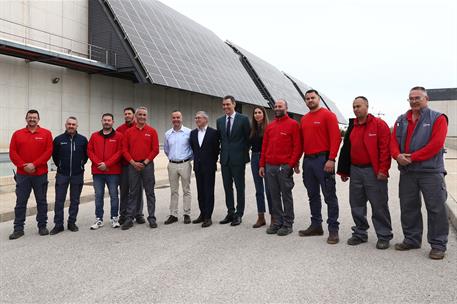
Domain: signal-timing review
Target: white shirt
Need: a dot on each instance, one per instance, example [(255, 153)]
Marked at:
[(231, 120), (176, 144), (201, 135)]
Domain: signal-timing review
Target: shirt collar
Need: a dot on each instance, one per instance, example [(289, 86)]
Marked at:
[(202, 129), (232, 116)]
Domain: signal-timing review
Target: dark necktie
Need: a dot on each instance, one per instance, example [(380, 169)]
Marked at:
[(228, 126)]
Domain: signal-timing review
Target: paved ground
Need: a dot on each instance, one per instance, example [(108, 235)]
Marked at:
[(185, 263)]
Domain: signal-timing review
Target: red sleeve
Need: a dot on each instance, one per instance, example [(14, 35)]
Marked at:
[(264, 147), (14, 156), (384, 148), (394, 147), (155, 146), (46, 155), (125, 147), (297, 148), (436, 142), (91, 151), (334, 135), (116, 157)]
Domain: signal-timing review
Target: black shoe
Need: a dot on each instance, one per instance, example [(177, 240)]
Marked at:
[(171, 219), (152, 225), (186, 219), (236, 221), (382, 244), (227, 219), (273, 229), (198, 220), (283, 231), (16, 234), (43, 231), (207, 223), (405, 247), (121, 220), (56, 229), (353, 241), (127, 225), (72, 227), (311, 231), (140, 220)]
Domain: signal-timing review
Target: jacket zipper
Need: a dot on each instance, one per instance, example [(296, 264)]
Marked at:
[(71, 154)]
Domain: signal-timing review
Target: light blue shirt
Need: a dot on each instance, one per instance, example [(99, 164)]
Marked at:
[(176, 144)]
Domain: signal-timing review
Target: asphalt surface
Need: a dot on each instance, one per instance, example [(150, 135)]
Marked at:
[(185, 263)]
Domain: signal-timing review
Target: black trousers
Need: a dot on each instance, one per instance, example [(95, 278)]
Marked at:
[(205, 188)]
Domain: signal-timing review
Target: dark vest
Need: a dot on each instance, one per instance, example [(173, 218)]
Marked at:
[(420, 137)]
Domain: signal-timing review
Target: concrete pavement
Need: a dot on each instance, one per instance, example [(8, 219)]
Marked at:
[(185, 263)]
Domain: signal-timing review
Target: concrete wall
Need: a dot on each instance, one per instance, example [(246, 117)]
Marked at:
[(448, 107), (64, 18)]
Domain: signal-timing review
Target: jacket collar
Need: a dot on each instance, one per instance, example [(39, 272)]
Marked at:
[(107, 135)]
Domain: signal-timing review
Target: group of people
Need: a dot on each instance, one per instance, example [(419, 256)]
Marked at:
[(124, 159)]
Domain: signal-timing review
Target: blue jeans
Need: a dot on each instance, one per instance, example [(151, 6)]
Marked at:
[(24, 186), (314, 178), (260, 190), (112, 181), (76, 185)]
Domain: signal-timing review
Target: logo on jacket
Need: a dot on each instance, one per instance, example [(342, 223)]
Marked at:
[(63, 143), (426, 125), (39, 138), (112, 140), (372, 134), (316, 122), (147, 134)]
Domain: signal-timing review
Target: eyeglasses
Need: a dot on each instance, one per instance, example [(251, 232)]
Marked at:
[(412, 99)]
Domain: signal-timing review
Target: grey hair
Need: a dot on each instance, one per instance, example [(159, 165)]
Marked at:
[(202, 113), (72, 117), (141, 108), (285, 102)]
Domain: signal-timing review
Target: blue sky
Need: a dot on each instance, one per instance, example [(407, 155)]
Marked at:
[(379, 49)]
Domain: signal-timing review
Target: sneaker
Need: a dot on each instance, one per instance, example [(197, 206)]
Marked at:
[(283, 231), (311, 231), (127, 224), (405, 246), (152, 224), (140, 219), (115, 222), (272, 229), (43, 231), (97, 224), (171, 219), (354, 241), (16, 234)]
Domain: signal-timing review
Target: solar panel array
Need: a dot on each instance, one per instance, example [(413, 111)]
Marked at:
[(303, 87), (176, 51), (275, 82)]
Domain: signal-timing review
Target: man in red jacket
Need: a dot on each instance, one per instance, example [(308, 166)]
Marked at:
[(104, 150), (141, 146), (321, 140), (30, 150), (365, 158), (281, 151), (129, 117)]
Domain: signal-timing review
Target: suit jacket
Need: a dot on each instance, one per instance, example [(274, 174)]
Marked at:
[(205, 157), (234, 149)]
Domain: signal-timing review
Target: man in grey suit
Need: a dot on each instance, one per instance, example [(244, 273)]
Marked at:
[(234, 131)]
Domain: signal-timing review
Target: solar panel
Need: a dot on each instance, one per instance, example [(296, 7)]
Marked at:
[(275, 81), (303, 87), (177, 52)]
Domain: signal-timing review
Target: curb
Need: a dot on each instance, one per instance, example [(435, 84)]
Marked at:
[(9, 215), (451, 205)]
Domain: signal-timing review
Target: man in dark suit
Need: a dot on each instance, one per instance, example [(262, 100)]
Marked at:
[(204, 142), (234, 131)]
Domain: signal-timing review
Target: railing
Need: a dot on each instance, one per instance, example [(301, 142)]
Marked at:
[(29, 36)]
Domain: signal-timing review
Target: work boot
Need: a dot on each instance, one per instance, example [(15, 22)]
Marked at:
[(353, 241), (333, 238), (436, 254), (260, 221), (16, 234), (312, 230), (405, 247)]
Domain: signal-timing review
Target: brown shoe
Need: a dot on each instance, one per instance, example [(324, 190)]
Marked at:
[(311, 231), (260, 221), (436, 254), (333, 238)]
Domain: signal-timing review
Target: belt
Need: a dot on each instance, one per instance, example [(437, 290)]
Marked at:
[(179, 161), (363, 166), (316, 155)]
